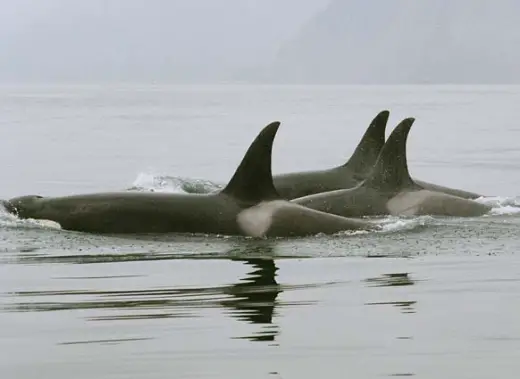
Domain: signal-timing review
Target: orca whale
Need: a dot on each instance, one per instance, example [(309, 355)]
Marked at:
[(390, 190), (354, 171), (249, 205), (299, 184), (348, 175)]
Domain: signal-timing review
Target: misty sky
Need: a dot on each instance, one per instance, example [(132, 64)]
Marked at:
[(175, 37), (407, 41), (279, 40)]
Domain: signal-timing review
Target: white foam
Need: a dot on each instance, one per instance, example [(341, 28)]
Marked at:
[(505, 210), (8, 220), (349, 233), (397, 224), (172, 184), (154, 183), (501, 205)]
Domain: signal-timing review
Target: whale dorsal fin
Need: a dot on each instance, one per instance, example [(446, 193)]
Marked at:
[(391, 169), (367, 151), (253, 180)]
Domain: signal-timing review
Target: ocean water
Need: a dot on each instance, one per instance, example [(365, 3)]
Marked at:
[(427, 297)]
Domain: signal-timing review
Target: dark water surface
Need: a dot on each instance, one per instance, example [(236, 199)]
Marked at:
[(427, 297)]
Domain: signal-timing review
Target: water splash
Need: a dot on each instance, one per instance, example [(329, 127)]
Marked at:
[(501, 205), (146, 182), (8, 220), (398, 224)]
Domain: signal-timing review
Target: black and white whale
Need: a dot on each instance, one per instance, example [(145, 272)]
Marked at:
[(299, 184), (354, 171), (390, 190), (249, 205)]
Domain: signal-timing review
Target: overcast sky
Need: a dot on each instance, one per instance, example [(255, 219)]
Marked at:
[(68, 36), (284, 40)]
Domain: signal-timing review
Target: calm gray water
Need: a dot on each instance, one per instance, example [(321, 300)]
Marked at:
[(427, 297)]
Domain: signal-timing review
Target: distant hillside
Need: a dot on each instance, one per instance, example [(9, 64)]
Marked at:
[(406, 41)]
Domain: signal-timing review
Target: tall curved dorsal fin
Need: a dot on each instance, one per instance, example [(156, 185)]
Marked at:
[(253, 179), (368, 149), (391, 169)]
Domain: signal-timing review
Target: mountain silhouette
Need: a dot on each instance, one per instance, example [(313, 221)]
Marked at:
[(406, 41)]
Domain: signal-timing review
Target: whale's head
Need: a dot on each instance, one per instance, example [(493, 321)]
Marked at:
[(23, 206)]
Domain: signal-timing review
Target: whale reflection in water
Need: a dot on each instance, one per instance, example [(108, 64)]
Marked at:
[(255, 297)]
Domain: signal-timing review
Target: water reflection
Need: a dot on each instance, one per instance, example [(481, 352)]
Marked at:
[(252, 299), (404, 306), (390, 280), (394, 280), (255, 297)]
